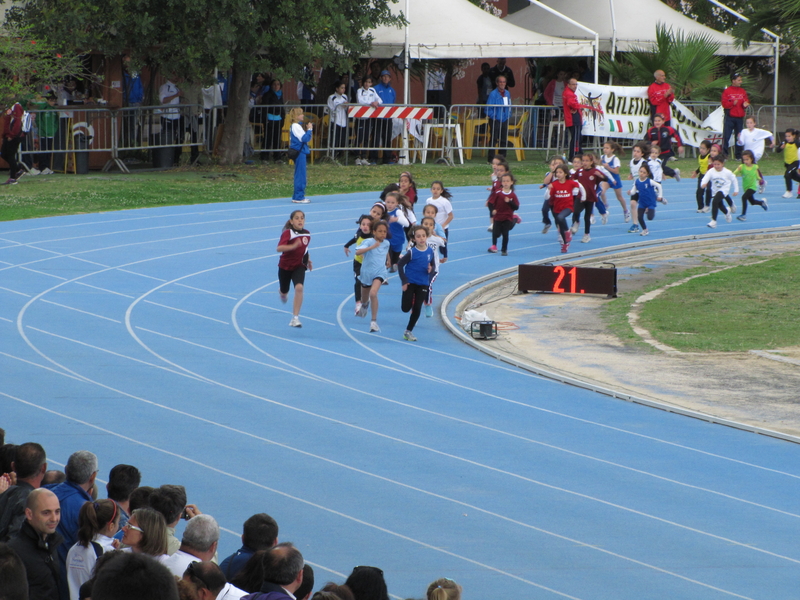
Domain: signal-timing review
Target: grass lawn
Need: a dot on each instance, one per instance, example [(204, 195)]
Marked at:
[(51, 195), (752, 307)]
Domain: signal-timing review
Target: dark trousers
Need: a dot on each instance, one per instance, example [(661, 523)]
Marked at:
[(718, 203), (9, 154), (732, 125), (414, 297), (546, 209), (587, 208), (749, 198), (45, 146), (641, 212), (172, 133), (790, 174), (561, 222), (703, 196), (501, 229), (498, 136), (574, 132), (364, 139)]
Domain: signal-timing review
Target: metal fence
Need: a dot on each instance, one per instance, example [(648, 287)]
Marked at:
[(778, 118)]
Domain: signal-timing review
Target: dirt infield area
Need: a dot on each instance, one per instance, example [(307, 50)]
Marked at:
[(566, 334)]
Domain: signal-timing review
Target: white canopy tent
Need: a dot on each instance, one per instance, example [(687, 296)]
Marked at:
[(624, 24)]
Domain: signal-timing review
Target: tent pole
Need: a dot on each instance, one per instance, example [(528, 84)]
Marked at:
[(777, 40), (406, 87), (613, 37), (583, 27)]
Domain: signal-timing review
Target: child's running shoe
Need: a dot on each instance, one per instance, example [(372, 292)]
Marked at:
[(627, 216), (741, 218), (546, 227), (358, 308), (634, 228), (373, 327), (409, 336), (764, 206), (604, 219), (645, 232)]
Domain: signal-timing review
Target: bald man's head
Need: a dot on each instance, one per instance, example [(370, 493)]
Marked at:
[(43, 511)]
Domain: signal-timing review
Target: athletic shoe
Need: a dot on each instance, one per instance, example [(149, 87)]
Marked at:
[(358, 162), (373, 327), (604, 219), (490, 228), (700, 210), (645, 232), (493, 249), (764, 206), (358, 308), (729, 217), (46, 171), (504, 253), (712, 223), (574, 228), (627, 216), (517, 219), (409, 336), (284, 297), (34, 171), (634, 228), (569, 237), (592, 220), (362, 312), (303, 201), (706, 209), (393, 269), (787, 194), (429, 310), (741, 218), (546, 228), (586, 238), (733, 208), (762, 185), (295, 322), (677, 176), (564, 248), (21, 174), (10, 181)]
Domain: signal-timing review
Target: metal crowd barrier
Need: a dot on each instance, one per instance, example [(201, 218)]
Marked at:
[(778, 118)]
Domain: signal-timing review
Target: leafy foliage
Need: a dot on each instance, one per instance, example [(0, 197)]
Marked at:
[(690, 62)]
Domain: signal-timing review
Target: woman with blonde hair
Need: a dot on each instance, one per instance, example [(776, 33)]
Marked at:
[(298, 152), (444, 589), (146, 532)]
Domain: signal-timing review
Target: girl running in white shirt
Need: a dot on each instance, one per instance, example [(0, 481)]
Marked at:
[(721, 181)]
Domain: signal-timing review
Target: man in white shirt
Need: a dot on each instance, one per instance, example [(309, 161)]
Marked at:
[(209, 583), (199, 542), (173, 125)]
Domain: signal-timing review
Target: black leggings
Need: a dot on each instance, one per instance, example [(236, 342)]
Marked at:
[(749, 196), (668, 171), (641, 212), (357, 286), (703, 196), (587, 208), (9, 154), (414, 297), (546, 209), (717, 204), (501, 228), (791, 174), (561, 222)]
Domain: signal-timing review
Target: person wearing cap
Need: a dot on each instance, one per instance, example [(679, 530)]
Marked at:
[(383, 128), (734, 103), (661, 97)]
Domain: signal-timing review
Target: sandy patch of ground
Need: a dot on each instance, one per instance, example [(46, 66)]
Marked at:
[(564, 333)]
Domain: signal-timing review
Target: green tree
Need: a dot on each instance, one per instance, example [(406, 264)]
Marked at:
[(690, 62), (190, 38), (29, 64)]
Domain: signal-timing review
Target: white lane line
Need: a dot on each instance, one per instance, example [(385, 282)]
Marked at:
[(5, 289), (187, 312), (288, 496), (99, 289), (7, 320), (82, 311)]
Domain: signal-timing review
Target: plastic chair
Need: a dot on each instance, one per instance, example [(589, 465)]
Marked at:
[(516, 133)]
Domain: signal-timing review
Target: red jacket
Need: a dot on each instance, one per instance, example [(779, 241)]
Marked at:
[(504, 211), (572, 108), (730, 94), (13, 123), (562, 195), (661, 96)]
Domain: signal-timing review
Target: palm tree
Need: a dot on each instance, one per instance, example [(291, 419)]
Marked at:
[(690, 62)]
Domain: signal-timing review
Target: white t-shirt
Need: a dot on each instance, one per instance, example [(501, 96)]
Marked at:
[(754, 141), (80, 563), (166, 90), (443, 208), (721, 181)]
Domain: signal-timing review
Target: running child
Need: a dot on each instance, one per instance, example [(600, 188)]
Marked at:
[(378, 212), (702, 196), (294, 260), (602, 207), (440, 198), (589, 177), (414, 269), (655, 165), (648, 191), (408, 187), (499, 168), (430, 210), (754, 139), (503, 205), (373, 270), (436, 242), (662, 136), (397, 225), (751, 178), (364, 232), (611, 162), (790, 160), (546, 206), (562, 193), (721, 181), (716, 150)]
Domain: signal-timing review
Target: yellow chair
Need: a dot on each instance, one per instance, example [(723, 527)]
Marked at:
[(515, 133), (256, 134)]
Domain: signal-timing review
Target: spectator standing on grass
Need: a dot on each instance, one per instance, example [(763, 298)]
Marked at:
[(734, 103), (383, 129), (299, 137), (30, 465), (12, 138), (37, 543), (259, 532), (172, 122), (573, 119), (661, 97), (199, 542), (498, 110)]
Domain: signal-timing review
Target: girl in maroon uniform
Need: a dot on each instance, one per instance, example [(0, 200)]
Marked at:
[(589, 177), (562, 193), (294, 261)]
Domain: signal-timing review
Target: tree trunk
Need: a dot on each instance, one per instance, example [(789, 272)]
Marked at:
[(232, 142)]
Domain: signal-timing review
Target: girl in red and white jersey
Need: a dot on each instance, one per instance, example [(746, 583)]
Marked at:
[(294, 261), (562, 193)]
